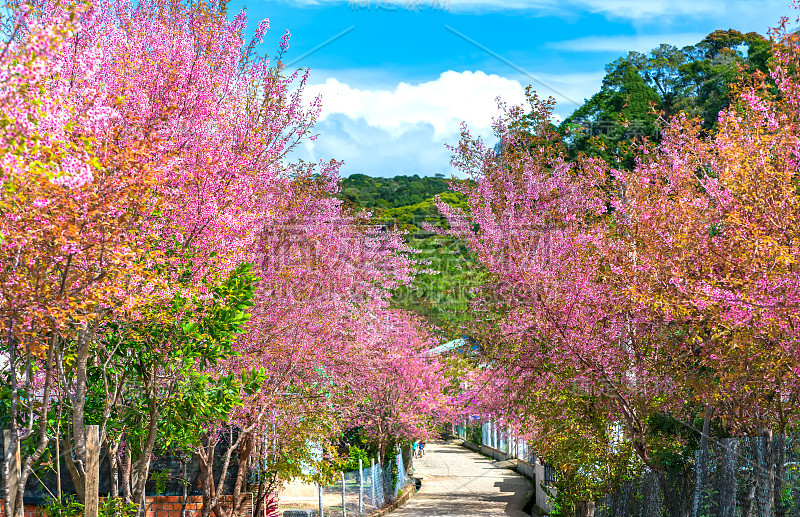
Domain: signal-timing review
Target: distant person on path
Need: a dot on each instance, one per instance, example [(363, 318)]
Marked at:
[(415, 448), (422, 448)]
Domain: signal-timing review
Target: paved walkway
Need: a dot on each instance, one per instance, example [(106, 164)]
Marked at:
[(460, 483)]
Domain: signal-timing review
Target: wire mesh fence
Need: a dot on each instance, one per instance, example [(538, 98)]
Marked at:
[(360, 492), (745, 477), (752, 476)]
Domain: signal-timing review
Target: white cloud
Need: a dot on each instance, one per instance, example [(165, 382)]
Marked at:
[(640, 10), (569, 90), (647, 9), (667, 9), (371, 150), (404, 129), (444, 103), (623, 44)]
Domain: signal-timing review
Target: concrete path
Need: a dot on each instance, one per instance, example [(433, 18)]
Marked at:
[(460, 483)]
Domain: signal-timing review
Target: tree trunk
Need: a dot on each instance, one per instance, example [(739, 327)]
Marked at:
[(381, 449), (212, 490), (58, 445), (702, 465), (766, 474), (185, 484), (126, 474), (15, 478), (258, 504), (76, 462), (11, 468), (245, 450), (33, 457), (140, 468), (220, 484), (205, 460), (113, 463), (11, 448), (76, 473)]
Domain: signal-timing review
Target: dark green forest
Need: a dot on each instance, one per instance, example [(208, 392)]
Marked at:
[(384, 193), (641, 90), (638, 93)]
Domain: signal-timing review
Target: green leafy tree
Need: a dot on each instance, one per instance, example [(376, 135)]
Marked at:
[(638, 88), (155, 380), (610, 123)]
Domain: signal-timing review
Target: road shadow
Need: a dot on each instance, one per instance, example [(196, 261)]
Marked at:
[(518, 490)]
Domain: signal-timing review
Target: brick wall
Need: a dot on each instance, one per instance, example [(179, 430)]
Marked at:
[(30, 510), (170, 505)]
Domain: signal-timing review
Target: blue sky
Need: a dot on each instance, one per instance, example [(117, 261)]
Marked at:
[(397, 77)]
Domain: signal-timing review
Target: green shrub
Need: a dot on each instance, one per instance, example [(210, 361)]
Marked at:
[(72, 507), (160, 481), (354, 455), (110, 507)]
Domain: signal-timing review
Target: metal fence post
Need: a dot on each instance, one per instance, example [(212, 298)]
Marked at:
[(321, 506), (344, 498), (376, 473), (360, 486), (372, 483), (401, 471)]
